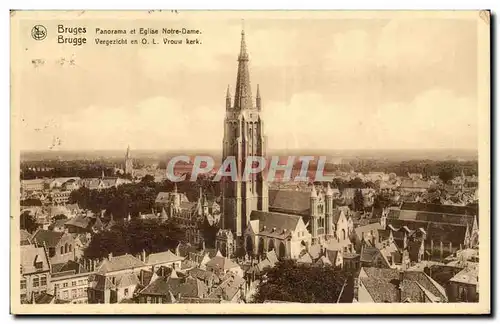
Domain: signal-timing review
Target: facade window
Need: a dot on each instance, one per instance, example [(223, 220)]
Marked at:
[(62, 249), (36, 282), (65, 285), (65, 294), (73, 283), (43, 281), (70, 248), (125, 292), (80, 282), (23, 283), (73, 293), (80, 291)]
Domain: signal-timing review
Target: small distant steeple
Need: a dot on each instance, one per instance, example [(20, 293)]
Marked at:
[(127, 155)]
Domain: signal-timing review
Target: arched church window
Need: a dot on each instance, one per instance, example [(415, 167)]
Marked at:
[(343, 234)]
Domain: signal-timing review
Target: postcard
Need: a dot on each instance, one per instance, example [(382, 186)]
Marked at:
[(250, 162)]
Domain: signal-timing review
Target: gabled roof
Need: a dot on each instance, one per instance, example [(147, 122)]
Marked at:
[(73, 207), (25, 237), (175, 286), (288, 201), (468, 275), (229, 287), (44, 298), (127, 280), (33, 182), (332, 256), (118, 263), (381, 284), (50, 238), (441, 209), (324, 260), (416, 184), (80, 221), (275, 220), (220, 262), (59, 223), (204, 275), (100, 282), (365, 229), (305, 258), (32, 256), (162, 257), (66, 267)]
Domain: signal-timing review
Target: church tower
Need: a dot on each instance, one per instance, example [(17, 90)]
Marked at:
[(129, 166), (243, 137)]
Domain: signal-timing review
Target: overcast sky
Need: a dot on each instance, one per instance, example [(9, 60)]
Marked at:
[(365, 83)]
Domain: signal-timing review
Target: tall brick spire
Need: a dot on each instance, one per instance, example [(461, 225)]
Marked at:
[(243, 94)]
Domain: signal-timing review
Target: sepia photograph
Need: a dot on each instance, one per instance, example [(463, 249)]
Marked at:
[(276, 162)]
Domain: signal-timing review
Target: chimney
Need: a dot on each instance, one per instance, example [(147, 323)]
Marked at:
[(143, 255), (203, 245), (110, 256), (177, 249)]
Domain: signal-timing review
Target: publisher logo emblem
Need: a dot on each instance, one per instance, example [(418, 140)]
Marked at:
[(39, 32)]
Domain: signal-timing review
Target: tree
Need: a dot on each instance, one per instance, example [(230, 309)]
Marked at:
[(359, 201), (292, 282), (148, 179), (446, 175), (356, 183), (134, 237), (381, 201), (58, 217), (28, 222)]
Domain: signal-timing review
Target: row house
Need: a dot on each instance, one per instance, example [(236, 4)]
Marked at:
[(69, 282), (115, 279), (35, 272)]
